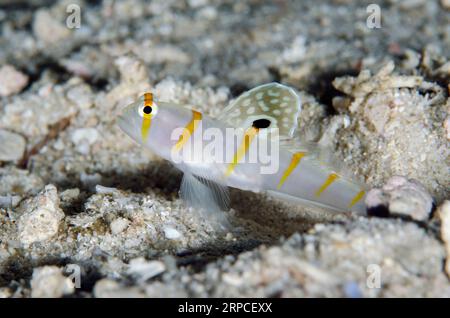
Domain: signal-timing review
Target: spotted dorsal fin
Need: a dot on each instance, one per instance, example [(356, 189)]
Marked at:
[(272, 105)]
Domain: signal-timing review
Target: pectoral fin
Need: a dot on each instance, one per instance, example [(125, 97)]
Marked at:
[(211, 199)]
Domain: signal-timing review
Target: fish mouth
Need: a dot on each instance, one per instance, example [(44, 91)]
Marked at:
[(121, 122), (125, 124), (128, 124)]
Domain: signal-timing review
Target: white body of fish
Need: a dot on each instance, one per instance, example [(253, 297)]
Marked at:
[(168, 129)]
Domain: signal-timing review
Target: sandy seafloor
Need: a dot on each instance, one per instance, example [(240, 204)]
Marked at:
[(77, 193)]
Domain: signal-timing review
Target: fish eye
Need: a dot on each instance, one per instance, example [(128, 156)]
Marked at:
[(147, 110)]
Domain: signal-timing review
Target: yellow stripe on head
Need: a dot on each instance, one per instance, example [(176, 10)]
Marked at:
[(356, 198), (296, 158), (148, 99), (242, 150), (188, 130), (331, 178), (146, 122), (146, 118)]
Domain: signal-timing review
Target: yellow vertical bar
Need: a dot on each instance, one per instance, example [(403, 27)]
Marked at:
[(296, 158), (331, 178), (242, 150), (188, 130)]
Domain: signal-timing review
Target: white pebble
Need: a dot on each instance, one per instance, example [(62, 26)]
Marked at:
[(81, 95), (447, 127), (144, 269), (5, 201), (443, 211), (107, 288), (12, 146), (197, 3), (119, 225), (104, 190), (171, 233), (40, 217), (48, 28), (85, 134), (131, 70), (9, 201), (70, 194), (83, 138), (402, 196), (49, 282), (11, 80), (446, 4)]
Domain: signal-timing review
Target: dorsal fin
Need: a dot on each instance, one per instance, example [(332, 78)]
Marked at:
[(273, 102)]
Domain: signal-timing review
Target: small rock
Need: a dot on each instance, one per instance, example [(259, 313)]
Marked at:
[(5, 292), (48, 29), (229, 237), (107, 288), (14, 181), (168, 53), (83, 138), (119, 225), (377, 113), (81, 95), (197, 3), (401, 196), (443, 211), (445, 4), (296, 52), (12, 146), (131, 69), (5, 201), (9, 201), (70, 194), (11, 80), (144, 270), (411, 4), (40, 216), (171, 233), (49, 282), (79, 68), (447, 128), (15, 200), (88, 134), (104, 190)]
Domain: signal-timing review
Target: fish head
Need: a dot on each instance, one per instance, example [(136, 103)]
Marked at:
[(152, 123)]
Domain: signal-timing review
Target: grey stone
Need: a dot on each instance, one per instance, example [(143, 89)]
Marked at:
[(12, 146), (40, 217)]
